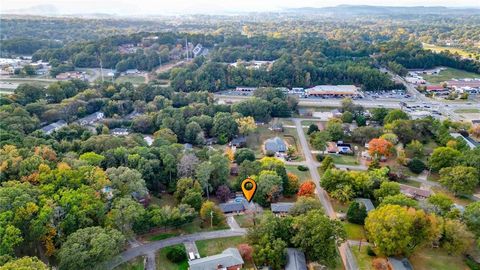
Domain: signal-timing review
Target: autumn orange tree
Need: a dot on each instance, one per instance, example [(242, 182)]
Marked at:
[(307, 189), (380, 147)]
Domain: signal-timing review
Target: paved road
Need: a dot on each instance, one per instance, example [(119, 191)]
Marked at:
[(347, 257), (153, 247)]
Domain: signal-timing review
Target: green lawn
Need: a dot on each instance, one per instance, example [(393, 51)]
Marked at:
[(134, 79), (448, 74), (344, 159), (302, 175), (354, 231), (165, 264), (215, 246), (436, 258), (135, 264), (364, 261)]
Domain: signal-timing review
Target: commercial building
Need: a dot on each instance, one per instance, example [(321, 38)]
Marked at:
[(333, 91)]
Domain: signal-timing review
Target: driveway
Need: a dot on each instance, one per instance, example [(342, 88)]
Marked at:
[(153, 247)]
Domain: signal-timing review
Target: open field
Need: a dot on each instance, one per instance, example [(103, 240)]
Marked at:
[(448, 74), (437, 48), (134, 79), (438, 259), (215, 246), (165, 264)]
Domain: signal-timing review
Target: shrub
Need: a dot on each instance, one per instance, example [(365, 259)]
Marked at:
[(370, 251), (270, 154), (176, 254), (319, 157), (416, 165), (302, 168)]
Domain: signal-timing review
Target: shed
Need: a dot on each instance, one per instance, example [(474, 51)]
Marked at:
[(367, 203), (295, 260)]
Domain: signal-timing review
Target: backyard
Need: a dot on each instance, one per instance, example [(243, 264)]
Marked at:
[(354, 231), (364, 261), (216, 246), (438, 259)]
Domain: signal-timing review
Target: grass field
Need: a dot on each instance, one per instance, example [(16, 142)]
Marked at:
[(215, 246), (364, 261), (134, 79), (135, 264), (354, 231), (302, 175), (436, 48), (448, 74), (165, 264), (437, 259), (344, 159)]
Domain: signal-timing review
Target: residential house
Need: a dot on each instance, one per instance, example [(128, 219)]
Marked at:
[(281, 208), (415, 193), (295, 260), (91, 119), (239, 142), (278, 127), (54, 127), (469, 141), (120, 131), (367, 203), (232, 207), (275, 145), (229, 259), (344, 148)]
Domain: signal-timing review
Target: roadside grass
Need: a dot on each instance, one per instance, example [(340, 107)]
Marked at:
[(134, 79), (216, 246), (162, 236), (354, 231), (302, 175), (472, 110), (165, 264), (436, 258), (364, 261), (448, 74), (135, 264)]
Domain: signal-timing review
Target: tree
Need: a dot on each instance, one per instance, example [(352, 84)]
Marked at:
[(191, 133), (243, 154), (211, 213), (393, 115), (246, 251), (472, 217), (387, 189), (443, 157), (126, 181), (166, 134), (203, 174), (293, 184), (124, 213), (89, 247), (10, 237), (220, 171), (246, 125), (414, 149), (192, 198), (25, 263), (399, 199), (187, 165), (396, 230), (304, 205), (307, 189), (223, 193), (441, 203), (92, 158), (456, 238), (391, 137), (183, 186), (416, 165), (312, 128), (364, 134), (319, 140), (380, 147), (224, 126), (459, 179), (176, 253), (327, 163), (335, 130), (378, 114), (356, 213), (318, 236), (269, 188), (347, 117), (229, 153), (475, 131)]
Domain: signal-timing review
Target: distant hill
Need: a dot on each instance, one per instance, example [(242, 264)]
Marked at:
[(385, 10)]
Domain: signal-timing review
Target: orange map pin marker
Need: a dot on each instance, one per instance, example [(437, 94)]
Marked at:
[(249, 187)]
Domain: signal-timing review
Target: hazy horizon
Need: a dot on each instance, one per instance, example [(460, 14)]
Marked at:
[(148, 7)]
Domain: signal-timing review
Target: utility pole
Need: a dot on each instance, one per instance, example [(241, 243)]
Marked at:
[(211, 218)]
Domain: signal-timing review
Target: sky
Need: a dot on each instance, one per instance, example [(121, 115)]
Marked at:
[(130, 7)]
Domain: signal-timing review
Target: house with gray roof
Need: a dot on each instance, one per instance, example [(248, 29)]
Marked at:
[(229, 259), (53, 127), (235, 206), (400, 264), (275, 145), (367, 203), (281, 208), (239, 142), (295, 260), (90, 119)]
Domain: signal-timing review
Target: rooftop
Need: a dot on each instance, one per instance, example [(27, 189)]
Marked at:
[(275, 145), (333, 90), (367, 202), (295, 260), (229, 257), (281, 207)]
